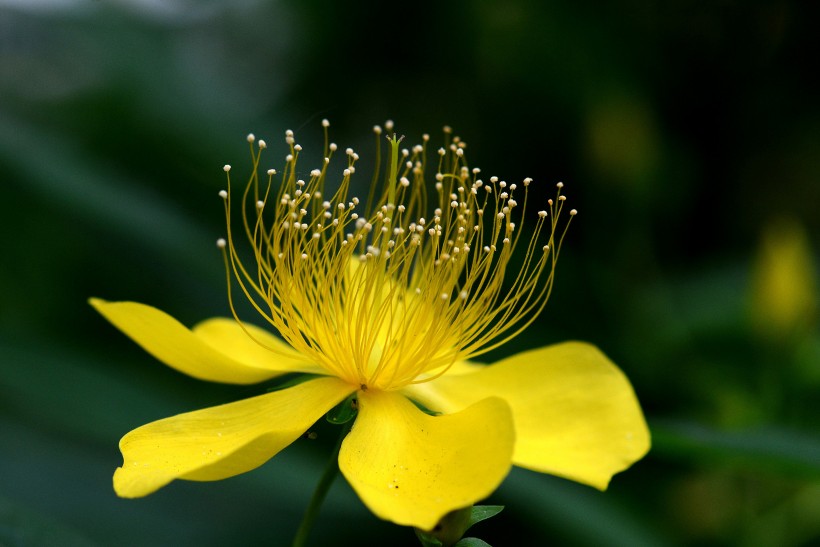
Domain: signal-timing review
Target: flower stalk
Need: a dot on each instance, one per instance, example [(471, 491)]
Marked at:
[(322, 488)]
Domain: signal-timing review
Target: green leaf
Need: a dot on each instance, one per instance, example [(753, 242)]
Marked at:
[(483, 512), (344, 411), (774, 449), (453, 525), (472, 542)]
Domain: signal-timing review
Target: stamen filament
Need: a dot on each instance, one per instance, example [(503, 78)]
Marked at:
[(392, 293)]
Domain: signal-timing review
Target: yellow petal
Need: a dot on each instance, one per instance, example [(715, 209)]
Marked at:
[(222, 441), (575, 412), (457, 368), (217, 350), (413, 469)]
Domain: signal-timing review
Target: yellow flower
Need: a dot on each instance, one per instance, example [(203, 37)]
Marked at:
[(381, 302)]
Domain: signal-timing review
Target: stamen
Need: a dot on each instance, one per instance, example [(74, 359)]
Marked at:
[(383, 296)]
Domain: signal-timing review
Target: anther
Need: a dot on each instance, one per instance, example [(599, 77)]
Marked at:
[(221, 243)]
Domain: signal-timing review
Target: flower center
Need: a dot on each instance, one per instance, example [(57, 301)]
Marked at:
[(383, 294)]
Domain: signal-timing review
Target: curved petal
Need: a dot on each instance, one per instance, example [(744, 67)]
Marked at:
[(412, 468), (575, 412), (456, 369), (215, 350), (222, 441), (252, 345)]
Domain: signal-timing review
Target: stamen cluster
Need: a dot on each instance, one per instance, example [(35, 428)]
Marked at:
[(395, 289)]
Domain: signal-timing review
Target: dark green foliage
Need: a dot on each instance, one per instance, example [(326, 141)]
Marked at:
[(681, 130)]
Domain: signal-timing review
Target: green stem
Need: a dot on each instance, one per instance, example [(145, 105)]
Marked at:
[(322, 488)]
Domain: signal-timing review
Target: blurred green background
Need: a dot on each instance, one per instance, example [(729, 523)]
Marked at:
[(687, 133)]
